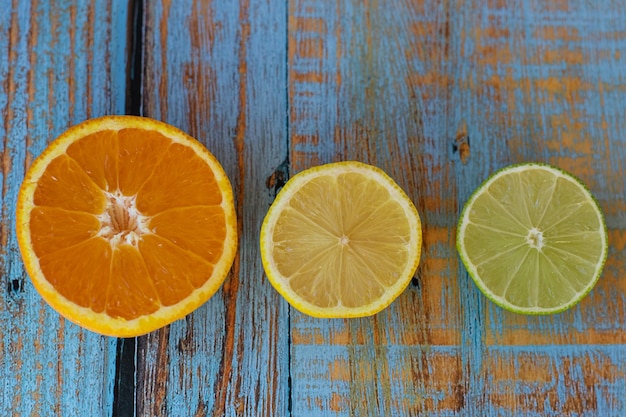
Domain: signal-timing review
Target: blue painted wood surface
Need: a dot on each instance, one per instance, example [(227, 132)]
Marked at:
[(437, 93), (218, 71), (59, 64)]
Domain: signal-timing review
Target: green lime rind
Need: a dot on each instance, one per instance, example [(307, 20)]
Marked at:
[(472, 270)]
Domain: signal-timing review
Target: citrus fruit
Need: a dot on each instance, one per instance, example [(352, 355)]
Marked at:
[(533, 238), (341, 240), (126, 224)]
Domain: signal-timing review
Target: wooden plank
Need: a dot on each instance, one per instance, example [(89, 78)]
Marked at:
[(369, 81), (555, 380), (61, 63), (540, 82), (440, 94), (218, 70), (557, 97)]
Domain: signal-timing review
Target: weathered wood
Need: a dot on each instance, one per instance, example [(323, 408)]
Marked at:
[(218, 71), (440, 94), (539, 81), (357, 91), (60, 63)]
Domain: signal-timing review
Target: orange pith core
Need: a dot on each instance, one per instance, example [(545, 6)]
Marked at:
[(121, 221), (129, 228)]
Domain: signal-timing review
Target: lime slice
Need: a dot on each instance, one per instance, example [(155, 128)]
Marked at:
[(533, 238)]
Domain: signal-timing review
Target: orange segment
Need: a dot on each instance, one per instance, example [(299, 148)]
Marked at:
[(97, 156), (79, 272), (176, 272), (199, 229), (64, 184), (190, 181), (126, 224), (131, 293), (139, 152), (50, 225)]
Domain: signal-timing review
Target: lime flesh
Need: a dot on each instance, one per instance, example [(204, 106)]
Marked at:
[(533, 238)]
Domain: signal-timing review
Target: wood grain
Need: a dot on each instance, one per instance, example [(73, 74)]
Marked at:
[(57, 68), (218, 71), (473, 87), (437, 93), (355, 93), (532, 80)]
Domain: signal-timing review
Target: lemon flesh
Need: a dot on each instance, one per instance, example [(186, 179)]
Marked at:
[(533, 238), (341, 240)]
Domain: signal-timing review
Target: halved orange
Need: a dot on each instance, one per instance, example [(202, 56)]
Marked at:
[(126, 224)]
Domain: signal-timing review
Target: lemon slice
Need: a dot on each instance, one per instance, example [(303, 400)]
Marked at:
[(533, 238), (341, 240)]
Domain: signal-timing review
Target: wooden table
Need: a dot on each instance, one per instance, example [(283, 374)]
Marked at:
[(437, 93)]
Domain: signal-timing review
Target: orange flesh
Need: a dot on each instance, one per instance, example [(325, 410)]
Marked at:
[(126, 222)]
